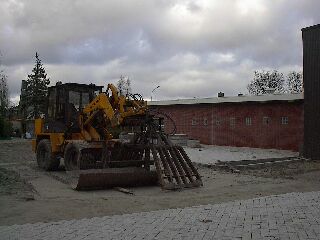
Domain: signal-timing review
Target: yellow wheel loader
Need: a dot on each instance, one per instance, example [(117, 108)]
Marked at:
[(79, 126)]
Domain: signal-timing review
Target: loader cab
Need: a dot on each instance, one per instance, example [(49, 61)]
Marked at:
[(64, 103)]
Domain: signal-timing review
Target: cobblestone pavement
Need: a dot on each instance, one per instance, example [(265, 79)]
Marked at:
[(287, 216)]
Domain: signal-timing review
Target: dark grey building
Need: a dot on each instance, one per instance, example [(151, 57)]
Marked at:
[(311, 78)]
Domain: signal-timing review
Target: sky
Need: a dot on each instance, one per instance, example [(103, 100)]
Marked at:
[(191, 49)]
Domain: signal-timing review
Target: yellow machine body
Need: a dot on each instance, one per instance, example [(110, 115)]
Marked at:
[(78, 127)]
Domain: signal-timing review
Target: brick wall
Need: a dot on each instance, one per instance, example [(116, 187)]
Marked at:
[(226, 124)]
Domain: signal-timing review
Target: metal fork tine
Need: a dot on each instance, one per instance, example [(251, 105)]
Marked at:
[(158, 166), (187, 159), (183, 164), (177, 165), (165, 164), (172, 166)]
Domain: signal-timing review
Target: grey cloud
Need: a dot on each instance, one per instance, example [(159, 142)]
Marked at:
[(190, 48)]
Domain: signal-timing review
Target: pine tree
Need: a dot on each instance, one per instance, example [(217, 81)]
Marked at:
[(37, 89)]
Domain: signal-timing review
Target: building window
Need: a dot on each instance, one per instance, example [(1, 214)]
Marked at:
[(205, 121), (284, 120), (266, 120), (248, 121), (232, 121), (193, 121)]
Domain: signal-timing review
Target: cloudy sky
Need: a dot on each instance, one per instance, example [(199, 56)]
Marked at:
[(188, 48)]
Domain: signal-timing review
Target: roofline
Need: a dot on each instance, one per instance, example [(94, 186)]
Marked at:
[(77, 84), (310, 27), (232, 99)]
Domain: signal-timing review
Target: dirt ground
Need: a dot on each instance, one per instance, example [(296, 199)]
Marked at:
[(28, 194)]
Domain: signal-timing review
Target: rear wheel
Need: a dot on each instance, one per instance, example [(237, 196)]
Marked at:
[(45, 158), (72, 155)]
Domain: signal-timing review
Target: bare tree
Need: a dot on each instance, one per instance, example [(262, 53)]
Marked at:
[(294, 82), (265, 80), (4, 92), (5, 125), (124, 85)]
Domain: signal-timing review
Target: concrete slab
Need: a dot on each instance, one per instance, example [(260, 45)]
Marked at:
[(210, 154)]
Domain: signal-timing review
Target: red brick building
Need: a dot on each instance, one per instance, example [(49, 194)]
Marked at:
[(266, 121)]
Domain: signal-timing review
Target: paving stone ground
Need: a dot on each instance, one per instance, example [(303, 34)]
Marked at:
[(287, 216)]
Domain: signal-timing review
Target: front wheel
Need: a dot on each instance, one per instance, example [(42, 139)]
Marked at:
[(45, 158), (72, 156)]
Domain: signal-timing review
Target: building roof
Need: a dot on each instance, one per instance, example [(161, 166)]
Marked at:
[(317, 26), (76, 85), (233, 99)]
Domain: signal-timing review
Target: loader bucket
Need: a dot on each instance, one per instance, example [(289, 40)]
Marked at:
[(93, 179), (150, 159)]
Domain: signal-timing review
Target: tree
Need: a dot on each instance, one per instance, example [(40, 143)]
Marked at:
[(23, 103), (266, 80), (124, 85), (5, 125), (37, 89), (4, 93), (294, 82)]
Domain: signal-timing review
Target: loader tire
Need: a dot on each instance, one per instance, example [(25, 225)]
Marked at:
[(72, 156), (45, 158)]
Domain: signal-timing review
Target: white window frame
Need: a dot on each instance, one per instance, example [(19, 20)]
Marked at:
[(266, 120), (248, 121), (284, 120)]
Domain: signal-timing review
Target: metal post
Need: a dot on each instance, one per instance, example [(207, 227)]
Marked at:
[(153, 91)]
